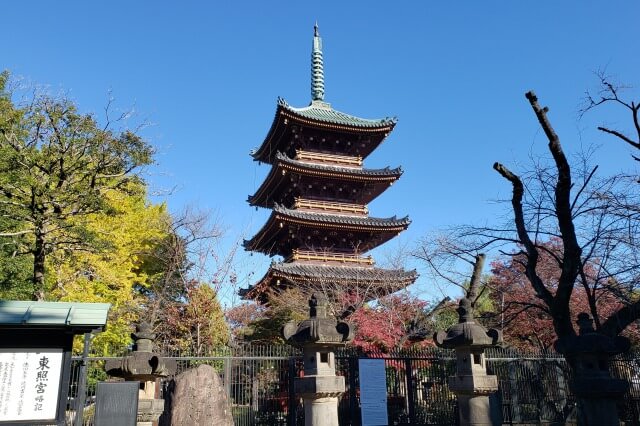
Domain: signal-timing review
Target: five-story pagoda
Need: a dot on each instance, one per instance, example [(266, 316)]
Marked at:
[(318, 191)]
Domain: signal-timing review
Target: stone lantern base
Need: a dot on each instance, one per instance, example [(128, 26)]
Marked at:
[(473, 384), (320, 411), (597, 400), (477, 410), (320, 398), (149, 411), (474, 401)]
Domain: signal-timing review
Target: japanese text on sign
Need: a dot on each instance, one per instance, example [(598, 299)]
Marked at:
[(29, 383)]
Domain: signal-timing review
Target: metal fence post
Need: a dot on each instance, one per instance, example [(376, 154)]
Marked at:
[(410, 390), (81, 394), (292, 392), (227, 377), (353, 397)]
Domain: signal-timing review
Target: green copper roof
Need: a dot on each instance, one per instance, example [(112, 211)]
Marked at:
[(317, 68), (322, 111), (54, 314)]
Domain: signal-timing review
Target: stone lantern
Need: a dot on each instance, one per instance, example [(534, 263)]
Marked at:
[(589, 354), (318, 337), (144, 366), (471, 383)]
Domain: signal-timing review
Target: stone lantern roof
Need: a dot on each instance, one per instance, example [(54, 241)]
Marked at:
[(319, 329), (142, 364), (589, 341), (467, 333)]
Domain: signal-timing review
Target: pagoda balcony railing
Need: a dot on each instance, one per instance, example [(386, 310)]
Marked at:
[(347, 258), (331, 206), (332, 159)]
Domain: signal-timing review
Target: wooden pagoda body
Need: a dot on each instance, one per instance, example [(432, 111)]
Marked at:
[(318, 191)]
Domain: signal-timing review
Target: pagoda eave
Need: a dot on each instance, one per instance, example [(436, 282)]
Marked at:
[(296, 118), (279, 179), (286, 117), (271, 239), (280, 276)]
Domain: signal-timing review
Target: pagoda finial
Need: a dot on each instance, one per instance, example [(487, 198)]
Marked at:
[(317, 68)]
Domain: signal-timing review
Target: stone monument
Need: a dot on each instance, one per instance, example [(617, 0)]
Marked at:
[(318, 336), (197, 397), (144, 366), (471, 383), (589, 354)]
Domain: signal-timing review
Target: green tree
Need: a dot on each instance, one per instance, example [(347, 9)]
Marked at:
[(15, 271), (57, 167), (197, 324), (132, 228), (290, 304)]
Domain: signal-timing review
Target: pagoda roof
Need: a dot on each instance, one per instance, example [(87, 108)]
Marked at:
[(343, 220), (350, 171), (276, 177), (287, 274), (267, 239), (321, 115)]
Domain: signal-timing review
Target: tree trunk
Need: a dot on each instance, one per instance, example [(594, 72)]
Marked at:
[(198, 339), (38, 265)]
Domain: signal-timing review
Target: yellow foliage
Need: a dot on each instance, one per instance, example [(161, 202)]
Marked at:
[(112, 273)]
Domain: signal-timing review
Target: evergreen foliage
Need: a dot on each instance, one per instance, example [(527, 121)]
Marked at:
[(76, 225)]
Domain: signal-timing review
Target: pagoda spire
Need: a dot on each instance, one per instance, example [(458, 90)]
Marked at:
[(317, 68)]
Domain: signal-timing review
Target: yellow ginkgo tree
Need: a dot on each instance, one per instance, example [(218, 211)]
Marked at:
[(115, 272)]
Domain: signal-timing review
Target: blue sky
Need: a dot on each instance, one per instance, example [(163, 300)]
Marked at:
[(207, 75)]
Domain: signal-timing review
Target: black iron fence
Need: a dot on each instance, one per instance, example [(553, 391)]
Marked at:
[(258, 381), (533, 387)]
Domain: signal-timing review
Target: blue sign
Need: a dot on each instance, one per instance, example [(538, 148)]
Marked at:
[(373, 392)]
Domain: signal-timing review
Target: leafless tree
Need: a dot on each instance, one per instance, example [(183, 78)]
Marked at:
[(191, 255), (595, 221), (445, 261), (610, 92)]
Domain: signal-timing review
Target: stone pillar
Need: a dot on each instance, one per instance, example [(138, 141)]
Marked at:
[(144, 366), (589, 354), (471, 383), (320, 387)]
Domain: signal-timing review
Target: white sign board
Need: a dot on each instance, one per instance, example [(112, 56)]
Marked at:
[(29, 383), (373, 392)]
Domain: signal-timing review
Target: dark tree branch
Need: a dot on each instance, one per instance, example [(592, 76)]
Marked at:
[(532, 252), (571, 249), (620, 136), (621, 319), (476, 276)]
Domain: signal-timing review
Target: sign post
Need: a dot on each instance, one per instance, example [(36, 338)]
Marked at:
[(36, 340)]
